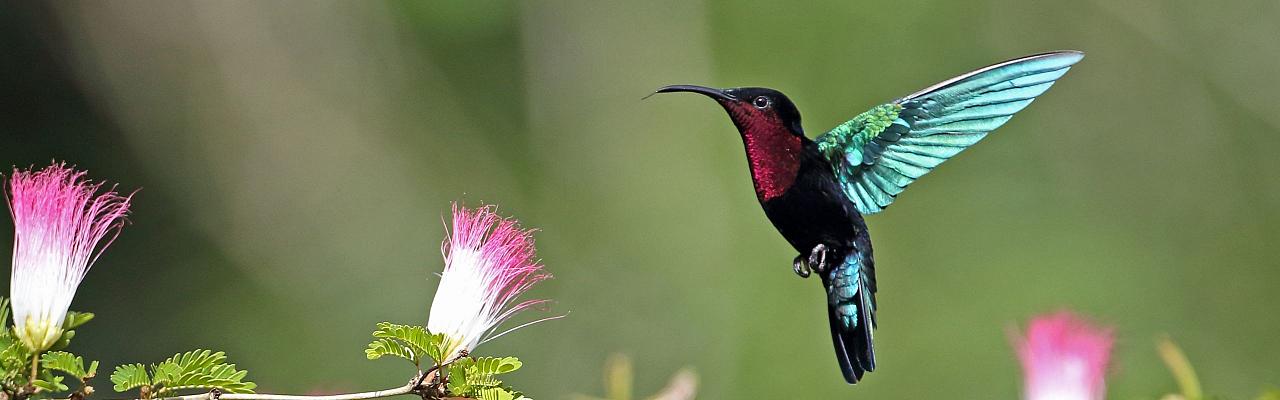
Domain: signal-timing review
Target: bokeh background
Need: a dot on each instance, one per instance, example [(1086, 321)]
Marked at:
[(296, 160)]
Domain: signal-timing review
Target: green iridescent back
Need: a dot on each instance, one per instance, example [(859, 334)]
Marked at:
[(857, 132), (878, 153)]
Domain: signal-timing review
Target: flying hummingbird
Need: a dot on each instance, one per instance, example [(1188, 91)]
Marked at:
[(815, 192)]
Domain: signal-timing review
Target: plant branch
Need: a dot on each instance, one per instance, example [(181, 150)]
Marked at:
[(406, 389), (438, 367), (416, 386), (411, 388)]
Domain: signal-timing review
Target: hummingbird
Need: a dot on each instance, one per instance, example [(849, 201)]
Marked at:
[(816, 192)]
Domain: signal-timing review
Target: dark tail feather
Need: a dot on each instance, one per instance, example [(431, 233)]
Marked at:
[(853, 346)]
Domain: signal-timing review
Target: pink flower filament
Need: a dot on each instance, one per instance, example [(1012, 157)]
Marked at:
[(489, 262), (1064, 358), (61, 227)]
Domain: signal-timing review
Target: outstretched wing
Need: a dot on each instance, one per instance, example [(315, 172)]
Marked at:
[(878, 153)]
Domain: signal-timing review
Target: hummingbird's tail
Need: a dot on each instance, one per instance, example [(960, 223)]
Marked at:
[(851, 311)]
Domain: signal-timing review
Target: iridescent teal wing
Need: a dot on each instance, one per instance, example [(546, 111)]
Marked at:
[(878, 153)]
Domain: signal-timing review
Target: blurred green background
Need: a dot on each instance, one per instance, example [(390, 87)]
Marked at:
[(296, 160)]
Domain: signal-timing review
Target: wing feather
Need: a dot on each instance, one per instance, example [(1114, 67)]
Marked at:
[(879, 153)]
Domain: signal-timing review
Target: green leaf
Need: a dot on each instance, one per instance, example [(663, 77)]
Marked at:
[(64, 340), (473, 377), (51, 385), (519, 395), (15, 359), (199, 369), (69, 363), (405, 341), (482, 371), (495, 393), (495, 366), (196, 369), (75, 319), (175, 367), (14, 350), (390, 347), (4, 311), (130, 376), (457, 384)]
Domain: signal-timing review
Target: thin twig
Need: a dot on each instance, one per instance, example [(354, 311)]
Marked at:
[(406, 389), (35, 366)]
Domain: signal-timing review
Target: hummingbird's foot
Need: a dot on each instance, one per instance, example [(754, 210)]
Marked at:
[(818, 258), (800, 267)]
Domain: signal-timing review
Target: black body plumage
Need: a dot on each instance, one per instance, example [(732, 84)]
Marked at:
[(815, 210)]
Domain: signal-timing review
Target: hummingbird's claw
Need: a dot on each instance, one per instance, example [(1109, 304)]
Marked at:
[(818, 258), (799, 266)]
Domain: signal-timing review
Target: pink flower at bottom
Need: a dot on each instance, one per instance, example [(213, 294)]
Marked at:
[(1064, 358), (489, 262), (61, 225)]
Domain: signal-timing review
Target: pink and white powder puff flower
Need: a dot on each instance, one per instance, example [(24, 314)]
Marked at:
[(1064, 358), (489, 262), (61, 226)]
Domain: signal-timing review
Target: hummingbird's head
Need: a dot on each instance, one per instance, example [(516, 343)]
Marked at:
[(753, 109), (770, 128)]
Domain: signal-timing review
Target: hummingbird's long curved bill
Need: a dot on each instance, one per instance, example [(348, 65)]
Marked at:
[(709, 92)]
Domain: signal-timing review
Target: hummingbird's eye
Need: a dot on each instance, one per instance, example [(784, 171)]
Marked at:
[(761, 102)]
